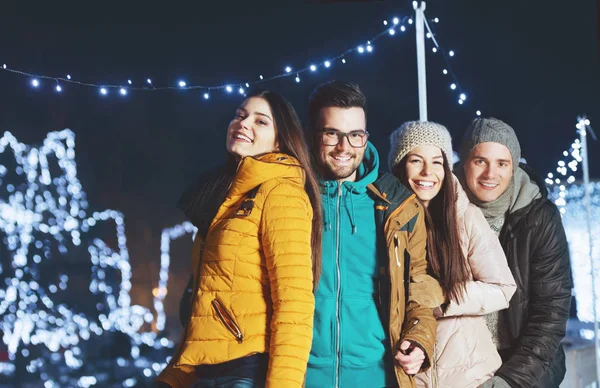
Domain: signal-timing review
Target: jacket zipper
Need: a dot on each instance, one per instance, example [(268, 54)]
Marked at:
[(396, 244), (228, 320), (339, 291)]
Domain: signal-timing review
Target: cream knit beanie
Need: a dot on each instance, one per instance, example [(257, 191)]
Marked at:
[(416, 133)]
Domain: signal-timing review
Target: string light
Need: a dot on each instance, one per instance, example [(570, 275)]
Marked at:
[(288, 70), (455, 85), (35, 83)]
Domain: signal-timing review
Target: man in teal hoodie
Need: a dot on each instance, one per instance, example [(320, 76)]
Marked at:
[(374, 300)]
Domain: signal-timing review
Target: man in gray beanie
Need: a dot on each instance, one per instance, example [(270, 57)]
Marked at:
[(515, 204)]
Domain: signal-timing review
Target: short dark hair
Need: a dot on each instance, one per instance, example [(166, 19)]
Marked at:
[(341, 94)]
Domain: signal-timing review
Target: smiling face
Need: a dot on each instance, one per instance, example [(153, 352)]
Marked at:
[(488, 170), (252, 131), (339, 162), (425, 171)]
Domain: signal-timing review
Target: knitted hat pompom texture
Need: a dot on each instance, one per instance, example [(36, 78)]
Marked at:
[(417, 133), (484, 130)]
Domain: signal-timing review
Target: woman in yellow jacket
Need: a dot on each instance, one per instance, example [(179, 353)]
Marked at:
[(256, 257)]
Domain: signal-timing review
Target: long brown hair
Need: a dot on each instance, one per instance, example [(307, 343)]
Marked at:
[(446, 258), (290, 137)]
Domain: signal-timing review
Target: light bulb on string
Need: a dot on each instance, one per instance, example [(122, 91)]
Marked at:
[(396, 21), (453, 86), (428, 35), (229, 89), (402, 28), (129, 82), (123, 91), (35, 83), (182, 84), (392, 32), (460, 102), (58, 88), (478, 113), (247, 85), (149, 81), (463, 96), (445, 71), (261, 77), (4, 66), (288, 69), (103, 91), (313, 68), (297, 78), (241, 90), (361, 49), (436, 20), (385, 23), (343, 60), (451, 53), (327, 63), (434, 49), (68, 76), (369, 48), (206, 96), (410, 21)]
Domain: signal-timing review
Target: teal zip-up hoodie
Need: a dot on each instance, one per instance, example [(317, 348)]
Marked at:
[(350, 345)]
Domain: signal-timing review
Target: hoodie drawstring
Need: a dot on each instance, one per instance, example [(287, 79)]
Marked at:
[(328, 211), (352, 218)]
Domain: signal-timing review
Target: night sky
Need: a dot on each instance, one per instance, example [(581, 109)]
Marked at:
[(534, 64)]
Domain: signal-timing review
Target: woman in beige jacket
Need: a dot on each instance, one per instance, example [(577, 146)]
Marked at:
[(466, 257)]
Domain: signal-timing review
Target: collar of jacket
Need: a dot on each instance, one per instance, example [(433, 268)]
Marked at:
[(366, 174), (389, 193), (255, 170), (513, 219)]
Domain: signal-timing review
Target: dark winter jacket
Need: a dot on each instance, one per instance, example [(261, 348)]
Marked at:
[(535, 244)]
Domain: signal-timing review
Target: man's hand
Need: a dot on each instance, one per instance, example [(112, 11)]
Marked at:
[(410, 357), (495, 382)]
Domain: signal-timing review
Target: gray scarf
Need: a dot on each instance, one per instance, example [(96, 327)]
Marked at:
[(520, 192)]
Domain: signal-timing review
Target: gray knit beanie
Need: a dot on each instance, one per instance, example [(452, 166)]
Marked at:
[(416, 133), (491, 130)]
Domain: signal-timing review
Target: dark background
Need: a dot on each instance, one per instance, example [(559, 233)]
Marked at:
[(533, 64)]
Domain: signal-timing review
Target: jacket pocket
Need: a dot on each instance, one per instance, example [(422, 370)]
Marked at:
[(227, 320)]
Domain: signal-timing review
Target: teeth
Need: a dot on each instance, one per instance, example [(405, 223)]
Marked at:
[(490, 185), (343, 159), (425, 184), (242, 137)]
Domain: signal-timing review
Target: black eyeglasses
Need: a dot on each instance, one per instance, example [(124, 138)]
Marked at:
[(356, 139)]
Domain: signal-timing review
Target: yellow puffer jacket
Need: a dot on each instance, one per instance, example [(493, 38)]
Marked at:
[(253, 277)]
